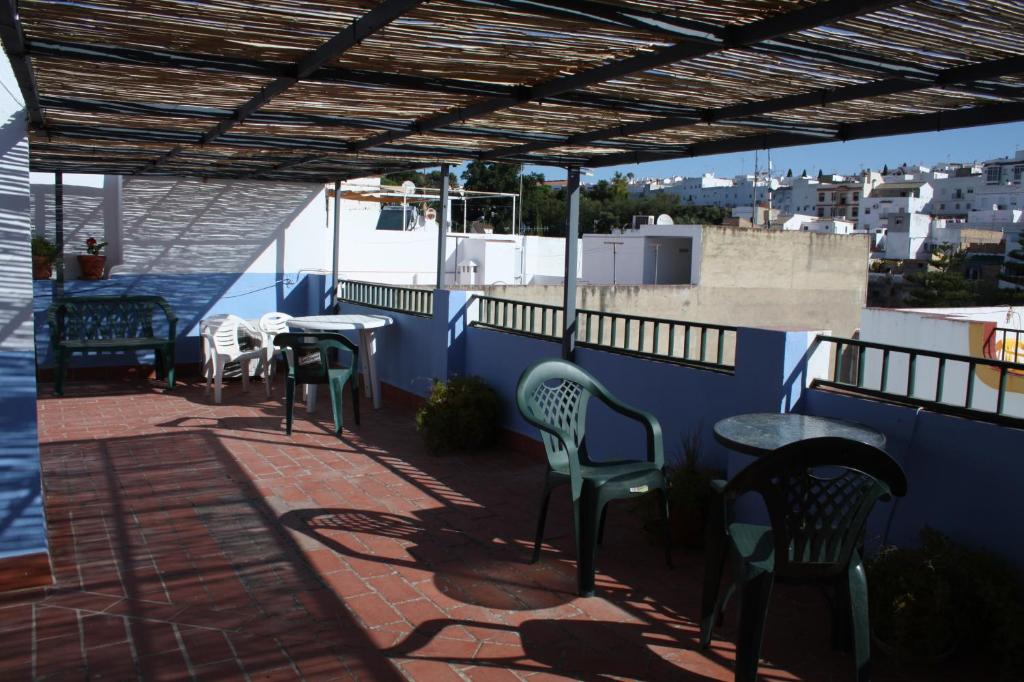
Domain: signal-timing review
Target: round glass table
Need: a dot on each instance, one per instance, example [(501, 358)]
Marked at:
[(760, 433)]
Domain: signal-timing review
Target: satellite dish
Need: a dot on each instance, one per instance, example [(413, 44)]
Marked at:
[(408, 187), (665, 219)]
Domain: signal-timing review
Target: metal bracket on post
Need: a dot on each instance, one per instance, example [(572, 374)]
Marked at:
[(442, 232), (572, 235)]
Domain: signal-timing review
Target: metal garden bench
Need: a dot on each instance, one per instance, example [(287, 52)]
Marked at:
[(109, 323)]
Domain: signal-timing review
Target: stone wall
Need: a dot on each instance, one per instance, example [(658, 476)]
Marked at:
[(784, 280)]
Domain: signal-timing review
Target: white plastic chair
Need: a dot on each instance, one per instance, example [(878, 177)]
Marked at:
[(222, 347), (272, 324)]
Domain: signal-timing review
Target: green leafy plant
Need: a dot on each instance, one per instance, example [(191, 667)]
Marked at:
[(689, 495), (460, 415), (44, 248), (942, 597)]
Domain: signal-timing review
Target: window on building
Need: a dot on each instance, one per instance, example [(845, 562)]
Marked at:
[(821, 212), (942, 206), (821, 197), (957, 206), (1018, 171), (867, 211), (992, 174), (903, 194), (970, 191), (856, 196), (854, 211)]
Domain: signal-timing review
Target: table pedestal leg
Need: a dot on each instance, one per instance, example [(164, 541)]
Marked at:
[(310, 397), (369, 352)]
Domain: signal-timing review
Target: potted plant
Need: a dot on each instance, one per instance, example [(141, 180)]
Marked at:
[(93, 263), (460, 415), (942, 599), (689, 495), (44, 255)]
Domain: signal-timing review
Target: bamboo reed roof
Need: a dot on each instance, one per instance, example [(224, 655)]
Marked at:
[(318, 90)]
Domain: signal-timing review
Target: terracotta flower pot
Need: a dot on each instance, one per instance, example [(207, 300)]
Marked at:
[(92, 266), (42, 267)]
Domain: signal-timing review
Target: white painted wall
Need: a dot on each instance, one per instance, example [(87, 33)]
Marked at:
[(954, 330)]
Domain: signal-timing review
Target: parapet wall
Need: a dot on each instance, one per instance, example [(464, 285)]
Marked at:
[(786, 280)]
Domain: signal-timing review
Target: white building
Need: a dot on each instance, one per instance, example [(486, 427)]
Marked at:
[(893, 198), (828, 225), (652, 254), (709, 190), (376, 248)]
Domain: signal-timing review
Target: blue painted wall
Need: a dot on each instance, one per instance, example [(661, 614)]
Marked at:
[(22, 522), (192, 297), (965, 476)]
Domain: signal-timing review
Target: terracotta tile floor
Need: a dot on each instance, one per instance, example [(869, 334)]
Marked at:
[(197, 541)]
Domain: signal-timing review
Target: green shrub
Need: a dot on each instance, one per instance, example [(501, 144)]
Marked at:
[(460, 415), (942, 596), (44, 248)]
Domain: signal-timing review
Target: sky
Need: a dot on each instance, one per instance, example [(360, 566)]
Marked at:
[(927, 149)]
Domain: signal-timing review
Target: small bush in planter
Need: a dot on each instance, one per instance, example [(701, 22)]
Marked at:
[(44, 255), (689, 494), (942, 598), (460, 415)]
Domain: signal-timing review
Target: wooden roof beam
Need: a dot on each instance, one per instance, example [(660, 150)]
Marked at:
[(363, 27), (902, 125), (735, 36), (743, 112), (13, 39)]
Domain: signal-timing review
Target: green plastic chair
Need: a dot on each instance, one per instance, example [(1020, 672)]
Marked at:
[(818, 493), (553, 396), (308, 357)]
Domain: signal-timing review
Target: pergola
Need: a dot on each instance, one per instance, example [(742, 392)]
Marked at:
[(326, 90)]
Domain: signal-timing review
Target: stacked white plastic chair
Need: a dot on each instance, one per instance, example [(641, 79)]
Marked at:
[(221, 342), (271, 325)]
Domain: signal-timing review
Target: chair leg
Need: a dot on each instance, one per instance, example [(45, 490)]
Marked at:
[(600, 528), (666, 528), (337, 392), (169, 367), (268, 373), (753, 612), (244, 366), (289, 404), (858, 604), (158, 364), (711, 603), (354, 385), (589, 519), (218, 379), (539, 538)]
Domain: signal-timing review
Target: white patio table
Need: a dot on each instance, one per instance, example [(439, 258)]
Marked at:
[(366, 325)]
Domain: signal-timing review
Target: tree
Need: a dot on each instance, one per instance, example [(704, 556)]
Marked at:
[(1013, 265), (420, 179), (821, 175), (803, 173), (483, 176), (885, 169), (789, 173)]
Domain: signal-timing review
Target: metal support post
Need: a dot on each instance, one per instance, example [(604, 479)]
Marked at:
[(442, 232), (58, 211), (572, 235), (337, 245)]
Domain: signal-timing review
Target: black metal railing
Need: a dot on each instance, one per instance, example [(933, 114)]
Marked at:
[(705, 344), (1006, 344), (921, 377), (387, 296)]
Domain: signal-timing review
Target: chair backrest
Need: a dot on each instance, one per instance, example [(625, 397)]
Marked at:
[(308, 355), (553, 395), (275, 323), (224, 336), (819, 493)]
